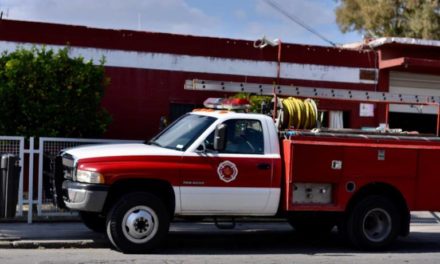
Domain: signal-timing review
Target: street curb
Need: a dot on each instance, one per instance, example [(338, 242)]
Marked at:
[(32, 244)]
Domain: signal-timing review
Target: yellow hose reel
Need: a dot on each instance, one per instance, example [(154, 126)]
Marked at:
[(299, 114)]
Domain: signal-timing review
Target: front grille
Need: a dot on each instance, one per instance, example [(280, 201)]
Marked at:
[(62, 170), (68, 166)]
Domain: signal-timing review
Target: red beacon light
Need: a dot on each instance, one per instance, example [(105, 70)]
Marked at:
[(227, 103)]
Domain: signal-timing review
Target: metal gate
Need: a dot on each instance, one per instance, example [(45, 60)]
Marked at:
[(49, 146), (15, 145)]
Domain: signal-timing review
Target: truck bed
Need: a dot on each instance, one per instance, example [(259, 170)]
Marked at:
[(325, 169)]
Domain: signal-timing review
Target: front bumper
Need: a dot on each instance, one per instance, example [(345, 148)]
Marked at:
[(84, 196)]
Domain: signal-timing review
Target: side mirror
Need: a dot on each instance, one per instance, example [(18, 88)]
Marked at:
[(219, 137), (201, 148)]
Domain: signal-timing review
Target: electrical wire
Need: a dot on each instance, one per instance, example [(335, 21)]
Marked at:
[(296, 20)]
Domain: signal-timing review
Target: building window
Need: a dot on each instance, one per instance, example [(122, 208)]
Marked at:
[(178, 109), (336, 119)]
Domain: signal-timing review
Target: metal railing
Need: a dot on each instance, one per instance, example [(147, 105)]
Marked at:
[(50, 147), (15, 145)]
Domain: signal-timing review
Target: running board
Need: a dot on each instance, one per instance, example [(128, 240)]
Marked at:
[(224, 224)]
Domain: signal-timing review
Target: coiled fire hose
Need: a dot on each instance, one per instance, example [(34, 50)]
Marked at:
[(299, 114)]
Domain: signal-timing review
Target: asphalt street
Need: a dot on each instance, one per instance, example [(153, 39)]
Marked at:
[(203, 243)]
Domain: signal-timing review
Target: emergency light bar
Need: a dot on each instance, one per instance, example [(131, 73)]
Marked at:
[(227, 103)]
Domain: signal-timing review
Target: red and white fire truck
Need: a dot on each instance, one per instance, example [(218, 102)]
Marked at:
[(219, 163)]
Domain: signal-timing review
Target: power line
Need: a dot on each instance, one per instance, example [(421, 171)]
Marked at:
[(296, 20)]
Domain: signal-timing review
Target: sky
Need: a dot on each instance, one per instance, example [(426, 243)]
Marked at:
[(238, 19)]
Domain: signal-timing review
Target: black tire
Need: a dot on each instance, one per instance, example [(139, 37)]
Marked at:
[(138, 222), (94, 221), (373, 224)]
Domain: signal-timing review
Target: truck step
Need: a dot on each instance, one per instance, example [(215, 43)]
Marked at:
[(225, 223)]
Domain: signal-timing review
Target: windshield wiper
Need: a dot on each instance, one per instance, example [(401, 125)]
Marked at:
[(154, 143)]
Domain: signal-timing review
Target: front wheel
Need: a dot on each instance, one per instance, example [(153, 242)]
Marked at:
[(374, 223), (137, 222)]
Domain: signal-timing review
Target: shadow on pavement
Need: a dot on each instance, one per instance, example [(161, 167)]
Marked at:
[(284, 242)]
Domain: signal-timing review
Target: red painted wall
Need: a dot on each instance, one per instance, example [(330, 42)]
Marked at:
[(137, 98), (37, 32)]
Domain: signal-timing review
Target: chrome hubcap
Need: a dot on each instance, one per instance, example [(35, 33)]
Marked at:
[(140, 224), (377, 225)]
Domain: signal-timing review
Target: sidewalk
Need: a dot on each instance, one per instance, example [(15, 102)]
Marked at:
[(76, 235), (50, 235)]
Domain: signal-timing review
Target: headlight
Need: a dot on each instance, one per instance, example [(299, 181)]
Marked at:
[(89, 176)]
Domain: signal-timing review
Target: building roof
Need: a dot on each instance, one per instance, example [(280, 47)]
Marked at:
[(404, 41)]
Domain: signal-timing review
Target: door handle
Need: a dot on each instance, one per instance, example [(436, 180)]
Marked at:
[(263, 166)]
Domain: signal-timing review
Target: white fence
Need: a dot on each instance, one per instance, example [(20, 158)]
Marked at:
[(46, 146), (15, 145)]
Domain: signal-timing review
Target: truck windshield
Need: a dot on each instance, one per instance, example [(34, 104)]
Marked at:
[(182, 133)]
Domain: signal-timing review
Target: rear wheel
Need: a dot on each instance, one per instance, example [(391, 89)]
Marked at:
[(94, 221), (137, 223), (374, 223)]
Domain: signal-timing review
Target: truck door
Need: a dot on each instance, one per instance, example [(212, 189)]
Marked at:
[(237, 180)]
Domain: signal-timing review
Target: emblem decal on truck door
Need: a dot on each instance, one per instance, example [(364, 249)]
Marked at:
[(227, 171)]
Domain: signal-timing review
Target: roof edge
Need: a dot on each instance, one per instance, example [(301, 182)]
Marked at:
[(405, 41)]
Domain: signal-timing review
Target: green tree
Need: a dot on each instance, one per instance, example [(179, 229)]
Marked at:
[(255, 100), (47, 93), (390, 18)]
